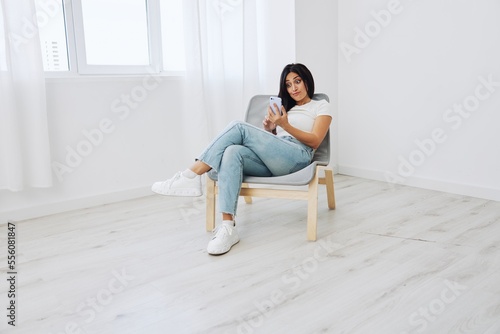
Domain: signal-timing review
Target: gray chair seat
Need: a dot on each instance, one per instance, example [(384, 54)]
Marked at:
[(299, 178)]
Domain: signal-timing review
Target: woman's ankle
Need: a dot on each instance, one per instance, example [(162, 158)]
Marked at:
[(227, 217), (200, 168)]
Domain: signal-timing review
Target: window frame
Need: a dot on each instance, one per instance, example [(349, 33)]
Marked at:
[(76, 53), (154, 44)]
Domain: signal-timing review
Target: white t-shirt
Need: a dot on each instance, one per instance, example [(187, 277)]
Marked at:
[(303, 117)]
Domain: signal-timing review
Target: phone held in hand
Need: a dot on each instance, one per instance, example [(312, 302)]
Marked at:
[(275, 100)]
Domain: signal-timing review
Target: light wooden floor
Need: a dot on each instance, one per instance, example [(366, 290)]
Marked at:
[(387, 260)]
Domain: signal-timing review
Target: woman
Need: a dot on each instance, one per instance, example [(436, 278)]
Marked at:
[(285, 145)]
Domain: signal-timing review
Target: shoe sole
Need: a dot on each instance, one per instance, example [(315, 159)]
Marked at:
[(217, 254), (180, 193)]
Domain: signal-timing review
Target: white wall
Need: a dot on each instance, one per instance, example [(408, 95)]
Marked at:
[(140, 123), (316, 47), (399, 82)]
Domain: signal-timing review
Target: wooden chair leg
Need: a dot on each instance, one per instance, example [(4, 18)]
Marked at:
[(210, 223), (248, 199), (312, 207), (330, 190)]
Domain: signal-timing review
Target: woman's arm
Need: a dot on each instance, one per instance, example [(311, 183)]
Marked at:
[(313, 138)]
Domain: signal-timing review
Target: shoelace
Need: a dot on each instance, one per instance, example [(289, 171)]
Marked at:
[(172, 180), (223, 229)]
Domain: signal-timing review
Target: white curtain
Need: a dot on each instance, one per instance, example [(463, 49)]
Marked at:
[(24, 140), (234, 50)]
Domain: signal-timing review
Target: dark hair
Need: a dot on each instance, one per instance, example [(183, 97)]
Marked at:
[(305, 74)]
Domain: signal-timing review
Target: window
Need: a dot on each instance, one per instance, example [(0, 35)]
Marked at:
[(50, 17), (115, 36), (172, 32), (111, 36)]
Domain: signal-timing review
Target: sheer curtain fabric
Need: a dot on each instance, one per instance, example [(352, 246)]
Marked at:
[(234, 50), (24, 138)]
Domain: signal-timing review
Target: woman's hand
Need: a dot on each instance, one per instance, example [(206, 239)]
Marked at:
[(268, 124), (276, 118)]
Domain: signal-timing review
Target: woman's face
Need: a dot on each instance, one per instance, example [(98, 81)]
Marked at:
[(296, 88)]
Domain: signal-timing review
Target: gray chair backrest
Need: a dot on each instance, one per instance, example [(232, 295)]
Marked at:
[(257, 109)]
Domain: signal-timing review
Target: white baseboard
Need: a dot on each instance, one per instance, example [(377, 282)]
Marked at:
[(425, 183), (73, 204)]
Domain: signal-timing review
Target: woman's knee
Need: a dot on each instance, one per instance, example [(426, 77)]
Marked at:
[(236, 123), (233, 151)]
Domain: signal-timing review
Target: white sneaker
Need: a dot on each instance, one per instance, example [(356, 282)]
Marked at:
[(179, 185), (225, 236)]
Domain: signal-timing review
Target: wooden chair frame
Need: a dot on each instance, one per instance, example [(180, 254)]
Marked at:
[(310, 195)]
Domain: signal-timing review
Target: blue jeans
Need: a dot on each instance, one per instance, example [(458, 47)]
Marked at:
[(243, 149)]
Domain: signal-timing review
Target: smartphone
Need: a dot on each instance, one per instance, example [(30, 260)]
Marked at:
[(275, 100)]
